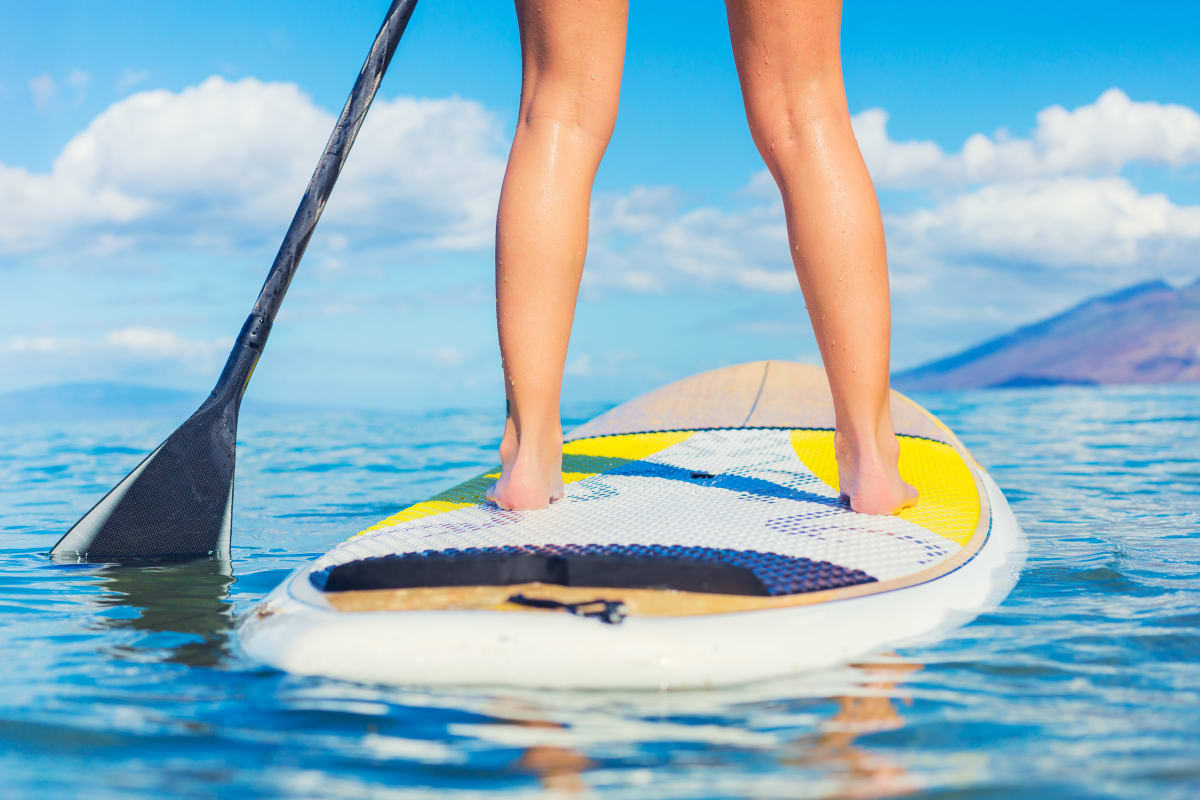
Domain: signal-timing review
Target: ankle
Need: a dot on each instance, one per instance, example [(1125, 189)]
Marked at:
[(540, 461), (867, 449), (540, 443)]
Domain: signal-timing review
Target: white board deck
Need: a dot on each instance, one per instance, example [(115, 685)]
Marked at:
[(707, 511)]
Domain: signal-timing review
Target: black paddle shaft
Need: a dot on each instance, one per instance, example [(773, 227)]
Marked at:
[(178, 502), (254, 333)]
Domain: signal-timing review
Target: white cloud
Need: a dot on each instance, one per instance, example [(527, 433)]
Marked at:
[(44, 210), (445, 356), (893, 163), (79, 80), (646, 244), (1004, 205), (1097, 225), (222, 165), (228, 161), (639, 281), (643, 209), (605, 365), (579, 367), (40, 344), (42, 87), (107, 244), (130, 78), (768, 280), (340, 309), (1100, 138), (135, 343), (157, 343), (427, 169), (1061, 222)]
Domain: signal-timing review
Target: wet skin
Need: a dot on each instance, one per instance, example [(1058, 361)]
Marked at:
[(789, 64)]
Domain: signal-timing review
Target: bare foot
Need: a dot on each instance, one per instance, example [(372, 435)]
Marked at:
[(869, 478), (531, 477)]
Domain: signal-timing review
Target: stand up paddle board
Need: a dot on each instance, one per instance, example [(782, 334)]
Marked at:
[(702, 541)]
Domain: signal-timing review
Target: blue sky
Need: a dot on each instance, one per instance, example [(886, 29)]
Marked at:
[(151, 159)]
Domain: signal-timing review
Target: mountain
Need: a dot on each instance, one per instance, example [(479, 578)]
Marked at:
[(100, 401), (1146, 333)]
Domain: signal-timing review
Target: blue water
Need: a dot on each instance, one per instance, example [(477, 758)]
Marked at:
[(123, 682)]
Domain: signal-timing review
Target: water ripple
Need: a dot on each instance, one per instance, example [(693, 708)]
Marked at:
[(123, 681)]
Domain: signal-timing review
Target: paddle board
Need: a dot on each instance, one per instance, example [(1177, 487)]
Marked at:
[(702, 541)]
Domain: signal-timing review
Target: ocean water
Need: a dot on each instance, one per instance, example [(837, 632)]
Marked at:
[(124, 682)]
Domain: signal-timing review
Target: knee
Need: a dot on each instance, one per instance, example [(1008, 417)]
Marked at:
[(583, 105), (789, 118)]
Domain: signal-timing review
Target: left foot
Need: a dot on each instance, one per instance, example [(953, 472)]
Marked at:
[(531, 477)]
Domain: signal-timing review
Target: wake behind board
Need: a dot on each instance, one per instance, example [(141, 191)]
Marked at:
[(702, 541)]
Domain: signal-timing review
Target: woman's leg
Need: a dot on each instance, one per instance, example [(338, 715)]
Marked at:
[(789, 62), (572, 52)]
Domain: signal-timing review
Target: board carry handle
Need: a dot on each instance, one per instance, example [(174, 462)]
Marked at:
[(611, 612)]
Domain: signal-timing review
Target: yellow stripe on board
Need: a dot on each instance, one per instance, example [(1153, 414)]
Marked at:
[(582, 458), (629, 446), (949, 503), (949, 500)]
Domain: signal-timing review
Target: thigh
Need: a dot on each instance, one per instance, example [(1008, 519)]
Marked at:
[(572, 52), (785, 50)]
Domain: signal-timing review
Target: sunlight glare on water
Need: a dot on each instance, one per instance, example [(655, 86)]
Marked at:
[(122, 681)]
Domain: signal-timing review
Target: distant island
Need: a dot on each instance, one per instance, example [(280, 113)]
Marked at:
[(1145, 333), (76, 401), (98, 400)]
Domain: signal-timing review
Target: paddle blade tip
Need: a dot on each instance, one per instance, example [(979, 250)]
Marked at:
[(176, 504)]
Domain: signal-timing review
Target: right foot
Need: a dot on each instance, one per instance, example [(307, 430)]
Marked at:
[(870, 478)]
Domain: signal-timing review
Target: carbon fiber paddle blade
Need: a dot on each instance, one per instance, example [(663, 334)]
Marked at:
[(178, 503)]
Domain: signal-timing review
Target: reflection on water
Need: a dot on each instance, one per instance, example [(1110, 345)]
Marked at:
[(829, 748), (557, 768), (862, 773), (183, 615), (124, 682), (189, 602)]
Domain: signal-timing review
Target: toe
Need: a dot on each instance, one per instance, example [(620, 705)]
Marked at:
[(492, 496)]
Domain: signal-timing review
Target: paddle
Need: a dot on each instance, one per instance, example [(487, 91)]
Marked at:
[(178, 503)]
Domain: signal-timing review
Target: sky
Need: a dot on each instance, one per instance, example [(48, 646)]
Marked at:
[(1027, 155)]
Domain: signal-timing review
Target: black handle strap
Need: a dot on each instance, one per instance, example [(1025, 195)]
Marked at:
[(611, 612)]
